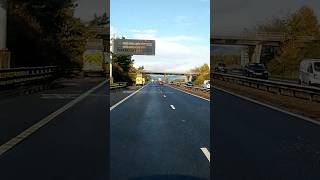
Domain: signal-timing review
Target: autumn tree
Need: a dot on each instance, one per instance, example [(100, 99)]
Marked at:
[(304, 22), (203, 74)]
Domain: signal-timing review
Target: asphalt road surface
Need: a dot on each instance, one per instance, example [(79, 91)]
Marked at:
[(252, 142), (72, 146), (117, 95), (158, 133)]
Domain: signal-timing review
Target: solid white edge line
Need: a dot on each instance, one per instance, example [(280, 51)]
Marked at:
[(172, 106), (270, 106), (189, 93), (26, 133), (120, 102), (206, 153)]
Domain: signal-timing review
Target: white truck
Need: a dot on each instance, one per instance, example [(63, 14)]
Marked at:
[(206, 84), (309, 72)]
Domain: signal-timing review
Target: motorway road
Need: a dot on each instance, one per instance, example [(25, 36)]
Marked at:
[(150, 139), (73, 146), (117, 95), (252, 142)]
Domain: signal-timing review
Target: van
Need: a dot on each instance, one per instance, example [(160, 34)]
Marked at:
[(309, 72), (206, 84)]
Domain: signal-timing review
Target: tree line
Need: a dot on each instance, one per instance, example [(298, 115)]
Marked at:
[(45, 32), (303, 22)]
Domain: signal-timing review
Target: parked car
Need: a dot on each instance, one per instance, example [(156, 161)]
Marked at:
[(309, 72), (256, 70), (206, 84), (221, 68), (189, 84)]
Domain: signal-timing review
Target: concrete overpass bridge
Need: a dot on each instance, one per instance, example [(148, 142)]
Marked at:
[(256, 42), (188, 75)]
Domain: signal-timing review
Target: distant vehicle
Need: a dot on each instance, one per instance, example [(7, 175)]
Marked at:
[(256, 70), (140, 81), (206, 84), (309, 72), (160, 83), (189, 84), (221, 68)]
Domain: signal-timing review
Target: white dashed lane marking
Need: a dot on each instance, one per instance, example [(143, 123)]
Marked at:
[(123, 100), (206, 153)]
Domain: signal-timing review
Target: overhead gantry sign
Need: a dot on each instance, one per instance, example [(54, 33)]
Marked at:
[(134, 47)]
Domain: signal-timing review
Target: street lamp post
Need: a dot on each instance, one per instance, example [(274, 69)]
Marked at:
[(110, 69)]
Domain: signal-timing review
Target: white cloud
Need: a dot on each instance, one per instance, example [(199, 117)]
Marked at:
[(114, 31)]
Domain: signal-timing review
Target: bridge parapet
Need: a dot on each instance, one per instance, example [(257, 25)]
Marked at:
[(258, 37), (169, 73)]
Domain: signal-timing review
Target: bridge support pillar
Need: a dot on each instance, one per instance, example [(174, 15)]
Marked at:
[(244, 57), (256, 56), (189, 78), (4, 53), (186, 78), (165, 78)]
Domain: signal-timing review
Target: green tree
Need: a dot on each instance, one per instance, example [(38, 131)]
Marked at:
[(123, 69), (45, 33), (100, 20)]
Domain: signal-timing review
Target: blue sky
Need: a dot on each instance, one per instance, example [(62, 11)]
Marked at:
[(180, 27)]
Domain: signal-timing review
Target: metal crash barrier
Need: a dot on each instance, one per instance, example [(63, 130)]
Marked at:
[(15, 77), (276, 87), (194, 88)]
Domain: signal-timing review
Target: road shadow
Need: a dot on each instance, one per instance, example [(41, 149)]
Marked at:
[(168, 177)]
